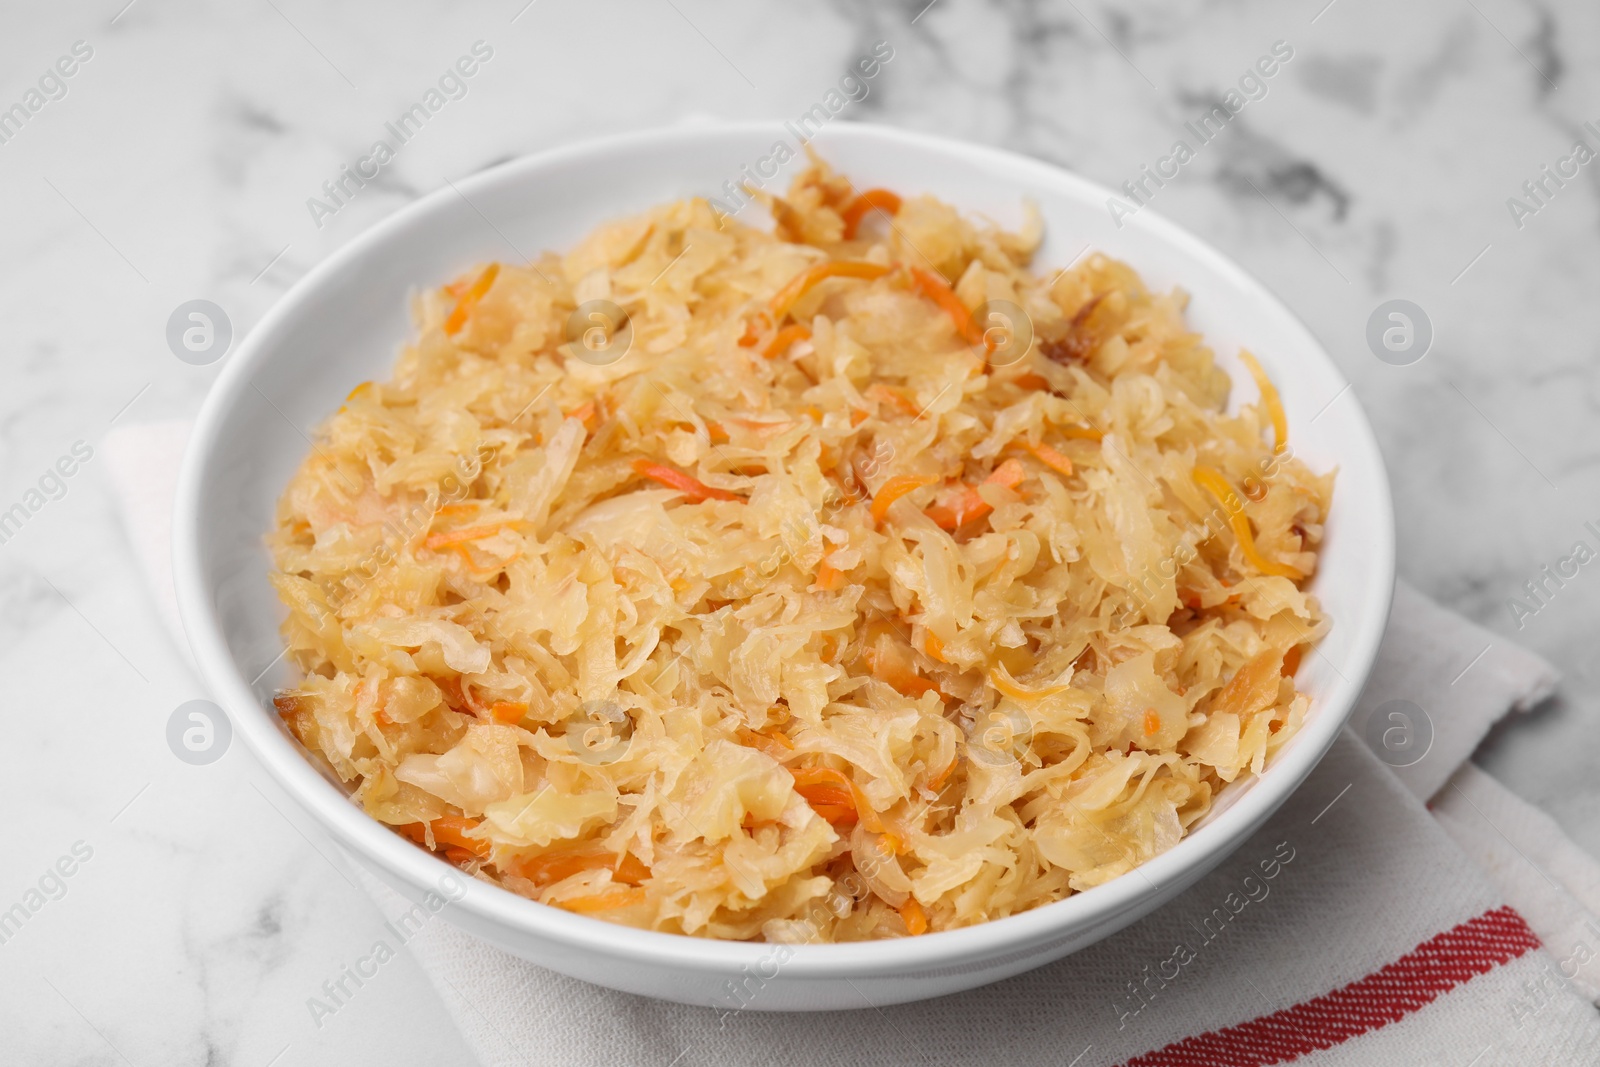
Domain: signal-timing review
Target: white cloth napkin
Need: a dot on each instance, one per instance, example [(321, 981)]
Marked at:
[(1355, 928)]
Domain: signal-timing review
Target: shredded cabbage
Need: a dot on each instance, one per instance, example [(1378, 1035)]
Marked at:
[(907, 625)]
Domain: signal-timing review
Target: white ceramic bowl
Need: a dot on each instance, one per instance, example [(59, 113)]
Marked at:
[(345, 322)]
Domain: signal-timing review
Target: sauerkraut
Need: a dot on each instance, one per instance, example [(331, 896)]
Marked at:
[(837, 581)]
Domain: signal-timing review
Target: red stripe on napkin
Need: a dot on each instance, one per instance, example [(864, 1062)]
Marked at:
[(1387, 995)]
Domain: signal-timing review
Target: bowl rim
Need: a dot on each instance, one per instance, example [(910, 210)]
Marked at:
[(483, 903)]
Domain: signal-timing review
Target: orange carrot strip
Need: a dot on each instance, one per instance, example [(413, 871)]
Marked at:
[(468, 299), (358, 390), (451, 538), (1269, 400), (507, 711), (934, 647), (1051, 458), (858, 208), (693, 489), (1213, 481), (965, 504), (829, 792), (773, 742), (1008, 474), (790, 334), (555, 866), (1291, 660), (483, 573), (1031, 380), (898, 674), (890, 395), (751, 335), (936, 289), (937, 781), (956, 507), (791, 293), (829, 577), (836, 815), (449, 830), (616, 898), (916, 919), (894, 489), (455, 509), (835, 797), (1082, 433), (1152, 722)]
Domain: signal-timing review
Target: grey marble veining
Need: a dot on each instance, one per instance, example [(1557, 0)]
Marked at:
[(1377, 163)]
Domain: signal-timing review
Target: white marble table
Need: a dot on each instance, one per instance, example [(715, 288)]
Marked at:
[(178, 163)]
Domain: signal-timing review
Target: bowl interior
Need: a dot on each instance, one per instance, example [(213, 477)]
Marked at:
[(346, 321)]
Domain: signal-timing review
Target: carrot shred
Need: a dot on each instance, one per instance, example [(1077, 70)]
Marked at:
[(455, 509), (837, 816), (889, 395), (1051, 458), (449, 830), (937, 782), (1152, 722), (826, 788), (1215, 483), (938, 290), (358, 391), (470, 298), (773, 741), (552, 867), (857, 209), (1031, 380), (1270, 400), (858, 416), (608, 901), (752, 334), (803, 283), (829, 577), (915, 918), (456, 695), (789, 335), (957, 506), (1008, 474), (894, 489), (897, 673), (586, 413), (835, 797), (452, 538), (717, 432), (934, 647), (1082, 433), (964, 504), (507, 711), (693, 489), (1291, 660)]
